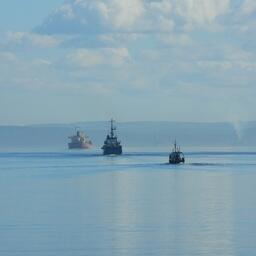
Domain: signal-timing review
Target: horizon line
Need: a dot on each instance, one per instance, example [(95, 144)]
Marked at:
[(129, 121)]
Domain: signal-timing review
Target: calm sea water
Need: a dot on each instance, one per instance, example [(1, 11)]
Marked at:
[(74, 204)]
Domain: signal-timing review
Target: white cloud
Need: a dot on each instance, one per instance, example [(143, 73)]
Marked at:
[(121, 14), (104, 16), (85, 58), (43, 41), (164, 6), (176, 39), (42, 62), (30, 73), (248, 7), (219, 65), (159, 16), (8, 56), (78, 16), (100, 35), (225, 65), (237, 54), (200, 12), (66, 11)]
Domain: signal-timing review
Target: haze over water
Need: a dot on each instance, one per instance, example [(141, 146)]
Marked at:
[(63, 203)]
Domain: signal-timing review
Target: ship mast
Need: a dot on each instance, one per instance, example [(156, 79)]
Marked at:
[(175, 146), (112, 129)]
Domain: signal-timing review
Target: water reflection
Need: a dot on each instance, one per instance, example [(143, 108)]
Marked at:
[(168, 214)]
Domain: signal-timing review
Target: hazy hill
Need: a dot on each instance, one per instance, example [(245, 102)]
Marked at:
[(146, 134)]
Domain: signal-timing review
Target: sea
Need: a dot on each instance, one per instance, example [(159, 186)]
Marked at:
[(61, 203)]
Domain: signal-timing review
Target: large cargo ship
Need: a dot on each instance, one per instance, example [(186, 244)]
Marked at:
[(79, 141), (111, 145)]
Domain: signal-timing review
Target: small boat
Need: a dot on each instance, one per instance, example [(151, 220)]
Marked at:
[(176, 157)]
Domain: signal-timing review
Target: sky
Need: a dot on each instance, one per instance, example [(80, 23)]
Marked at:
[(134, 60)]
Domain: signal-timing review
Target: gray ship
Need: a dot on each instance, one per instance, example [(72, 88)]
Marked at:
[(79, 141), (176, 157), (111, 145)]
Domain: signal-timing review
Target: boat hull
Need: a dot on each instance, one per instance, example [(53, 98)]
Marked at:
[(176, 159), (79, 145), (182, 161), (112, 150)]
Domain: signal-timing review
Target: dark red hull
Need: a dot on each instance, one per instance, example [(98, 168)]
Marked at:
[(79, 145)]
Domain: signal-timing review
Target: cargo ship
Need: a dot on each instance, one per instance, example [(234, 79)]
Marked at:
[(176, 156), (79, 141), (111, 145)]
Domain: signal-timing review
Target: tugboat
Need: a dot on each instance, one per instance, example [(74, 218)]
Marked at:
[(79, 141), (176, 157), (111, 145)]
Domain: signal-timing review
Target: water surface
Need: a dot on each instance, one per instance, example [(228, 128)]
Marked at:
[(74, 204)]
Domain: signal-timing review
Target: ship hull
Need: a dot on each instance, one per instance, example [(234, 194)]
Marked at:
[(112, 150), (176, 159), (79, 145), (177, 162)]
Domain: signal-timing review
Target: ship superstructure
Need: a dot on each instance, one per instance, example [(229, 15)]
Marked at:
[(111, 145), (79, 141), (176, 156)]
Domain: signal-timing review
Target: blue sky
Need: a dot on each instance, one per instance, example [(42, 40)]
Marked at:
[(87, 60), (23, 15)]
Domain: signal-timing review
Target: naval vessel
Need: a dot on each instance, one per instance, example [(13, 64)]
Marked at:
[(111, 145)]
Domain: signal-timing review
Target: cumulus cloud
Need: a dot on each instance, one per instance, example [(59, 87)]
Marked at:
[(146, 33), (78, 16), (97, 16)]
